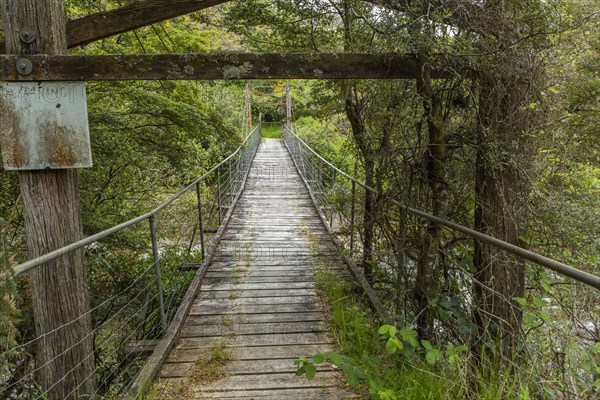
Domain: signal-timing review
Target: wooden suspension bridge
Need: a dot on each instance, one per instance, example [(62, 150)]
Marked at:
[(258, 297), (254, 289)]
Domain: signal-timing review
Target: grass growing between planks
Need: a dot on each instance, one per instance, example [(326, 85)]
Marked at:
[(209, 367), (272, 131)]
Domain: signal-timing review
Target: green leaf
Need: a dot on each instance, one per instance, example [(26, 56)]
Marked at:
[(362, 374), (319, 358), (352, 380), (540, 302), (389, 330), (521, 301), (426, 344), (432, 356), (544, 316), (409, 335), (311, 371), (392, 331), (393, 345), (336, 359)]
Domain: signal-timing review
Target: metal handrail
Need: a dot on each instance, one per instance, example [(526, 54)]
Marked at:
[(38, 261), (556, 266)]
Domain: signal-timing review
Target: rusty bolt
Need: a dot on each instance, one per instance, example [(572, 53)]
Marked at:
[(24, 67), (27, 35)]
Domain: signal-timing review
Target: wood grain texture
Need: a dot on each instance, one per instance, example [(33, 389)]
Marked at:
[(51, 208), (223, 66), (259, 298)]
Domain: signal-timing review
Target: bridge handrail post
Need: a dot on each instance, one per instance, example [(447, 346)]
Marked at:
[(219, 195), (332, 208), (352, 216), (161, 302), (200, 222), (230, 184)]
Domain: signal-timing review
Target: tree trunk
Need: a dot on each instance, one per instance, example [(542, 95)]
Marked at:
[(499, 277), (369, 220), (509, 80), (429, 274), (52, 219), (353, 112), (501, 194)]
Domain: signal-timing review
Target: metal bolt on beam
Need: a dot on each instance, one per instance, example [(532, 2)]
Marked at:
[(27, 35), (24, 67)]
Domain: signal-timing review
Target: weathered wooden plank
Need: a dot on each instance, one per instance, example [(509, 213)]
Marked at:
[(258, 286), (270, 240), (218, 66), (272, 381), (332, 393), (220, 294), (244, 278), (254, 352), (325, 381), (140, 348), (257, 340), (304, 317), (202, 309), (253, 301), (238, 367), (259, 273), (225, 329), (262, 264)]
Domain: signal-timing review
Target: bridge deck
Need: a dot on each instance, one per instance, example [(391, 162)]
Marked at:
[(257, 310)]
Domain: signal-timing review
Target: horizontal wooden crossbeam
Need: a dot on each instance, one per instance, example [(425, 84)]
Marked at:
[(218, 66)]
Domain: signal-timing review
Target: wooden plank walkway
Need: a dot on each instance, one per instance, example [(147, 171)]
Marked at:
[(258, 305)]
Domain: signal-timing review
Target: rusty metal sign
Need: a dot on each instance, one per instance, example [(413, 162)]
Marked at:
[(44, 125)]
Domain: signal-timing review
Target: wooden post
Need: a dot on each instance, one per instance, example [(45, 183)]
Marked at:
[(288, 106), (51, 203), (248, 107)]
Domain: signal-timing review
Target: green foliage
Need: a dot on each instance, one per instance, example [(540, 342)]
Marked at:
[(9, 312), (271, 131)]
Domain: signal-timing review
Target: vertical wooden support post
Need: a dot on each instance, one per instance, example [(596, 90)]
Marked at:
[(200, 222), (161, 301), (334, 180), (352, 213), (51, 201), (288, 105), (248, 107), (219, 194), (230, 179), (320, 178)]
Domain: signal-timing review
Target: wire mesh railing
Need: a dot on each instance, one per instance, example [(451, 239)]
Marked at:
[(549, 337), (139, 272)]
